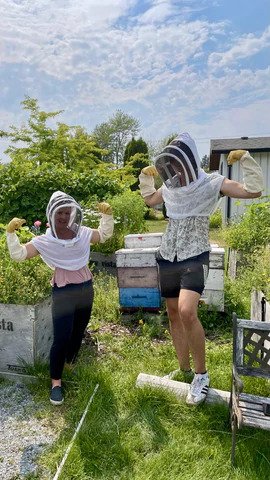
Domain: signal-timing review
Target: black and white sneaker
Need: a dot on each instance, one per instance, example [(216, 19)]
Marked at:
[(56, 397), (198, 389)]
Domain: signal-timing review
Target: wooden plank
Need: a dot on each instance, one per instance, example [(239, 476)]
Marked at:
[(139, 297), (260, 309), (256, 422), (145, 277), (249, 405), (247, 412), (253, 372), (19, 377), (180, 389), (247, 397), (253, 325), (256, 306)]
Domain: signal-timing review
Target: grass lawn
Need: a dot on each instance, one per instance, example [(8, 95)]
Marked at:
[(144, 434)]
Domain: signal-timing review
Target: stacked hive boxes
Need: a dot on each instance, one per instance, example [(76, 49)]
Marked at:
[(137, 274)]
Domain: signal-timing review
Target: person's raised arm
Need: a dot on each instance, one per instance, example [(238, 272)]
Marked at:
[(106, 224), (17, 251), (151, 196), (252, 185)]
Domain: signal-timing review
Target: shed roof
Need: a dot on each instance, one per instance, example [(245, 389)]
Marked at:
[(225, 145)]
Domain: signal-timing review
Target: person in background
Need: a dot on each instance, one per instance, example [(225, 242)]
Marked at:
[(65, 247), (190, 196)]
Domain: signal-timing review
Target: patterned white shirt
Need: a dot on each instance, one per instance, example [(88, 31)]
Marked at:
[(189, 236)]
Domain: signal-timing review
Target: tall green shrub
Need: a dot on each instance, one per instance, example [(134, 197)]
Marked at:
[(26, 189), (26, 282), (252, 231), (128, 210)]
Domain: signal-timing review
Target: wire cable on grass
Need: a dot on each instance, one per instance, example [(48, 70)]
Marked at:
[(59, 470)]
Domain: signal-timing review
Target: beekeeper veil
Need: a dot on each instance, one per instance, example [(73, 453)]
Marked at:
[(179, 163), (60, 200)]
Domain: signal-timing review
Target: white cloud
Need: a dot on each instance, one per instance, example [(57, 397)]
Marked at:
[(91, 58), (244, 47)]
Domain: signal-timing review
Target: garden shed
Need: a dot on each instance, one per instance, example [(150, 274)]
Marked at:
[(259, 148)]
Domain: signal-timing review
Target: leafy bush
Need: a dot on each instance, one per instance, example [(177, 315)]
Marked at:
[(215, 220), (27, 188), (254, 275), (252, 231), (128, 210), (25, 283), (212, 320)]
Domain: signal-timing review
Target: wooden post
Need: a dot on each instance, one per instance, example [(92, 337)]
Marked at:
[(180, 389)]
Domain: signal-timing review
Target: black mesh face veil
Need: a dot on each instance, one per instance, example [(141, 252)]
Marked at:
[(177, 164), (61, 200)]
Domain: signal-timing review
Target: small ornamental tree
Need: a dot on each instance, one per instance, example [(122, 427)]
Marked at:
[(39, 143), (133, 147), (114, 134)]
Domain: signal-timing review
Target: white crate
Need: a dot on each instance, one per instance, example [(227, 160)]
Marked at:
[(216, 257), (26, 333), (143, 240), (136, 257), (214, 297), (215, 279)]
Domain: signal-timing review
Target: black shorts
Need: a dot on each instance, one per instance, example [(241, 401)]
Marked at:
[(189, 274)]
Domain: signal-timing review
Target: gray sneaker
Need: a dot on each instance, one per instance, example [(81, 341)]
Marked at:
[(56, 397), (198, 389)]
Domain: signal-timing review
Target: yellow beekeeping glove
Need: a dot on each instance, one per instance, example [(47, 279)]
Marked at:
[(252, 172), (150, 171), (106, 224), (17, 251), (104, 207), (14, 224), (235, 155), (146, 180)]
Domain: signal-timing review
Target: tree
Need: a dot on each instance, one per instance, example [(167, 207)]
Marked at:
[(133, 147), (156, 147), (205, 163), (71, 146), (114, 134)]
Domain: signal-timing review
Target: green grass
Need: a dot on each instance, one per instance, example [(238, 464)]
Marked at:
[(144, 434), (156, 226)]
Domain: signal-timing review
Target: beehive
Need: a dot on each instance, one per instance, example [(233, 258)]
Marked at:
[(137, 274), (26, 334)]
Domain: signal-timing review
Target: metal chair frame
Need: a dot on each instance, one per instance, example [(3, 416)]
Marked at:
[(251, 357)]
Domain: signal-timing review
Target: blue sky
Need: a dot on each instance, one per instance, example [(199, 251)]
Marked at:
[(196, 66)]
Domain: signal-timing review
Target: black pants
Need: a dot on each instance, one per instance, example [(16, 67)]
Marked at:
[(71, 311)]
